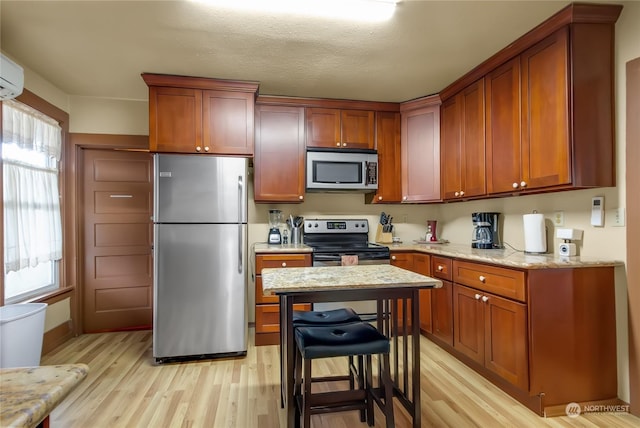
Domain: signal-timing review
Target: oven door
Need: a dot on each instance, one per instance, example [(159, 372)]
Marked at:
[(367, 309)]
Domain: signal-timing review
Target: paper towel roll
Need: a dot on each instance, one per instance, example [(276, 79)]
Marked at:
[(535, 238)]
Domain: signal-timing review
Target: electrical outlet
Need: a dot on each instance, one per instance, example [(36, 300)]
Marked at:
[(617, 217), (558, 218)]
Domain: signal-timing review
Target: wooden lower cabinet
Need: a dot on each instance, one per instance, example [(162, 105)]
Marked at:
[(492, 331), (267, 315), (420, 263)]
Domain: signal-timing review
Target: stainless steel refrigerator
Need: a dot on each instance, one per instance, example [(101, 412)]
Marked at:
[(199, 257)]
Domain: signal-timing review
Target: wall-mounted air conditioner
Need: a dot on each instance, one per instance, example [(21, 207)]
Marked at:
[(11, 78)]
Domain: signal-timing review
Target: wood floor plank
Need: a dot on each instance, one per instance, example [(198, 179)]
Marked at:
[(125, 388)]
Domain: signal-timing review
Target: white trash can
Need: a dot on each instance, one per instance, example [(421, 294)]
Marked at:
[(21, 333)]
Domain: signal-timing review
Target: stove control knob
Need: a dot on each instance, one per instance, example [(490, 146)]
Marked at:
[(363, 225), (315, 225), (357, 225)]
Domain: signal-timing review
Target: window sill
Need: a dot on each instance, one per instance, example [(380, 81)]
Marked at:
[(51, 296)]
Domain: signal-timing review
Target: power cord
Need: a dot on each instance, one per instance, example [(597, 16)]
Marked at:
[(513, 248)]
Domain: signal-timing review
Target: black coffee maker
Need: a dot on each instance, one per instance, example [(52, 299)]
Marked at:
[(486, 231)]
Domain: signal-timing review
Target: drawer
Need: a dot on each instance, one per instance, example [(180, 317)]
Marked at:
[(441, 267), (281, 260), (504, 282), (268, 317), (260, 297)]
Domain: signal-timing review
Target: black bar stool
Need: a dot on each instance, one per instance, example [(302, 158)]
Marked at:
[(355, 339)]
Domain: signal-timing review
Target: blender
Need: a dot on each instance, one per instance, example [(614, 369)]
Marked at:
[(275, 218)]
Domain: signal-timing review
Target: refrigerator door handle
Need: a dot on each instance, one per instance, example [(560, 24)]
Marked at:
[(240, 246)]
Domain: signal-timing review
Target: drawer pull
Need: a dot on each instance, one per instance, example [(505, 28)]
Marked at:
[(477, 296), (485, 299), (482, 278), (393, 257), (440, 268), (284, 264)]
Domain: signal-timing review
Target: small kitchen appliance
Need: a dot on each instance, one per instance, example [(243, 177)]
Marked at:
[(431, 231), (275, 219), (486, 230)]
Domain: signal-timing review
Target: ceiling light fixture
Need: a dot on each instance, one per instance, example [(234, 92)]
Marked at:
[(352, 10)]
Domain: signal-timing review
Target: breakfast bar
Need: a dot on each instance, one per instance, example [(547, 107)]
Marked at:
[(395, 289)]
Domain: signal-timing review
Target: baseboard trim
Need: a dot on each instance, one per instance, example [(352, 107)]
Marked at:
[(57, 336)]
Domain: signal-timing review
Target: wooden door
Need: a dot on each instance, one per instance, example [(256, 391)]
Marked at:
[(505, 340), (450, 148), (117, 240), (357, 129), (503, 128), (227, 122), (403, 260), (442, 312), (323, 128), (420, 147), (468, 322), (545, 113), (473, 141), (388, 146), (422, 265), (279, 154), (175, 119)]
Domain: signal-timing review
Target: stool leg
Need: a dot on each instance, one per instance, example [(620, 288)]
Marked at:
[(361, 384), (368, 367), (388, 392), (306, 398)]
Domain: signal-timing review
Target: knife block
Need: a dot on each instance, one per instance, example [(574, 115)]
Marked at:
[(383, 237)]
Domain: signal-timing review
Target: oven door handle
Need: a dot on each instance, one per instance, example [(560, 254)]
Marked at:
[(327, 257)]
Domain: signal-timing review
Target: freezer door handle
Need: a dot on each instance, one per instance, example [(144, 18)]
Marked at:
[(240, 246)]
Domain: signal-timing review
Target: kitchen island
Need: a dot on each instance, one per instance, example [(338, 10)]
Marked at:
[(395, 289)]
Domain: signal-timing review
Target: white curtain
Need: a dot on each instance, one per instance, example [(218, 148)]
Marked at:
[(31, 148)]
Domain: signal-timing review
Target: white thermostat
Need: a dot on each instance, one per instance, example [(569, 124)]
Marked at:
[(597, 211)]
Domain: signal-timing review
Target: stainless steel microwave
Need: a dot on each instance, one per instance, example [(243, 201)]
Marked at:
[(342, 170)]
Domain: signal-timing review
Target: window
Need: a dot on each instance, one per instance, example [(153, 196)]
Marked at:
[(31, 150)]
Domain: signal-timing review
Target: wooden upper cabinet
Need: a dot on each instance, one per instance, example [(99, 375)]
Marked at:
[(183, 132), (228, 122), (420, 147), (345, 129), (279, 154), (388, 145), (199, 115), (503, 128), (463, 144)]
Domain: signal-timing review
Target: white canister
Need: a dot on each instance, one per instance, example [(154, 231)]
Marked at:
[(535, 237)]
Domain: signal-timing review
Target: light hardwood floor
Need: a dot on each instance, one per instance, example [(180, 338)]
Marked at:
[(125, 389)]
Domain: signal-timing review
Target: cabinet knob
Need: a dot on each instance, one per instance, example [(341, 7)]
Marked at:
[(393, 257), (301, 197), (477, 296), (198, 148), (338, 144), (457, 194), (206, 148), (284, 264), (379, 198), (523, 184), (515, 185), (482, 278), (440, 268), (404, 198), (485, 299), (344, 144), (462, 193)]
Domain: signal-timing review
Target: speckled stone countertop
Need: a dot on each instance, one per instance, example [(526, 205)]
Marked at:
[(288, 248), (29, 394), (334, 278), (506, 257)]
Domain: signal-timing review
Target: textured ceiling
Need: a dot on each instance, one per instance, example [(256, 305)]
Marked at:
[(99, 48)]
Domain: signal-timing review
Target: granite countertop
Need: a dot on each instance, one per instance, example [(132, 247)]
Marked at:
[(262, 247), (328, 278), (507, 257), (29, 394)]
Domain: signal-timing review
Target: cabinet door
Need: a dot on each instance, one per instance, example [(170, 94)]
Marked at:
[(403, 260), (357, 129), (450, 148), (442, 312), (323, 128), (468, 322), (279, 154), (545, 113), (420, 146), (505, 339), (473, 141), (503, 128), (388, 145), (228, 122), (175, 119), (422, 265)]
